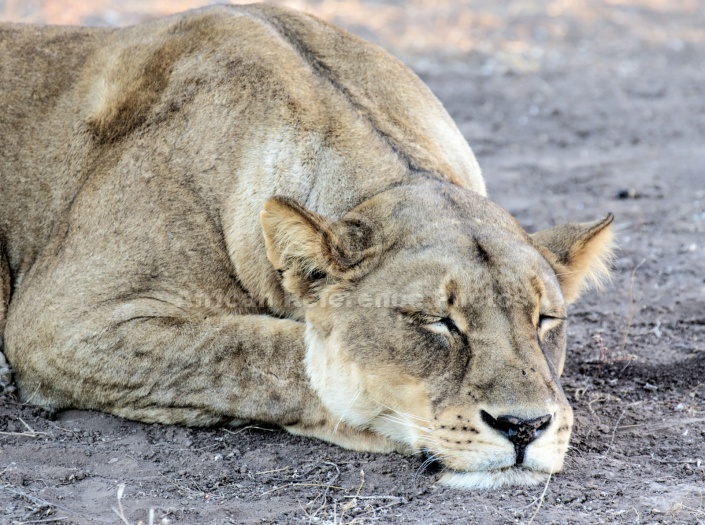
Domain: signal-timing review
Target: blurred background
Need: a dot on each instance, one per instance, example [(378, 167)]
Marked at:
[(417, 26)]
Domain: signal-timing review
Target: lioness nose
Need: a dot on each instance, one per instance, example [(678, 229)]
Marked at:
[(521, 432)]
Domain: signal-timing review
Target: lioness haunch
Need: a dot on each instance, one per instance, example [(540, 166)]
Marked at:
[(245, 214)]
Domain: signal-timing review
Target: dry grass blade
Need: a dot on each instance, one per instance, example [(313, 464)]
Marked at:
[(261, 473), (44, 520), (250, 427), (632, 307), (24, 434), (30, 432), (120, 510), (540, 502), (288, 485), (34, 499), (353, 502)]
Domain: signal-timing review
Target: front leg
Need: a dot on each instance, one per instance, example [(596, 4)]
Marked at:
[(334, 431), (214, 370)]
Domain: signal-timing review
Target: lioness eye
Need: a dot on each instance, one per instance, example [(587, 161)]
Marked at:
[(443, 324), (546, 322)]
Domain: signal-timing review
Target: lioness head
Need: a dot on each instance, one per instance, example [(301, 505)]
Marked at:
[(434, 319)]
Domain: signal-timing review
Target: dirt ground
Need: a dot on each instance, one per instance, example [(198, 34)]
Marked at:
[(574, 108)]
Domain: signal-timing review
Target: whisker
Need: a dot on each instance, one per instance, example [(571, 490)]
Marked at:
[(404, 422), (347, 409), (432, 459), (426, 439), (428, 461), (422, 419)]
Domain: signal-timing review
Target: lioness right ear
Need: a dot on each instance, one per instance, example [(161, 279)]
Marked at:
[(305, 247), (579, 253)]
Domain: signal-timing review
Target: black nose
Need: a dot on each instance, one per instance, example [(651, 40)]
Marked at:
[(519, 431)]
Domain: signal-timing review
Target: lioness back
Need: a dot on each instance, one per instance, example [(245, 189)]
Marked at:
[(38, 67), (72, 93)]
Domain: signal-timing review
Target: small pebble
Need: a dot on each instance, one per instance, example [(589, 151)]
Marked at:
[(629, 193)]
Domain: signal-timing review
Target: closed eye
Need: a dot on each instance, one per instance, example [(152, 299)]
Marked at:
[(548, 322), (444, 325), (438, 324)]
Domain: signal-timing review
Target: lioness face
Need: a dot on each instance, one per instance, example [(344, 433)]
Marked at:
[(447, 334)]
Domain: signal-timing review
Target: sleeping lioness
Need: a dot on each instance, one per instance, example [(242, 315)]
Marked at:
[(245, 214)]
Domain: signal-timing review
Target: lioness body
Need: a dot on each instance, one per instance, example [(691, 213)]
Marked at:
[(134, 166), (95, 150)]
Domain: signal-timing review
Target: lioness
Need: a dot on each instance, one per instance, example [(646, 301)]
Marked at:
[(245, 214)]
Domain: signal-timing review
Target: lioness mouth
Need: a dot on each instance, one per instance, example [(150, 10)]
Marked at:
[(517, 475), (493, 479)]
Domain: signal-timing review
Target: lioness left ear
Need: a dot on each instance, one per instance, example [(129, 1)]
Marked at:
[(309, 250), (579, 253)]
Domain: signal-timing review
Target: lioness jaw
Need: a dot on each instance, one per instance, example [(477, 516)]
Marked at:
[(245, 214)]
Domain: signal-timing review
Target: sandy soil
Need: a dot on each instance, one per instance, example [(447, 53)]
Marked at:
[(574, 108)]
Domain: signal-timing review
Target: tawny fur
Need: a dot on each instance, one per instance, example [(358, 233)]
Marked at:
[(245, 214)]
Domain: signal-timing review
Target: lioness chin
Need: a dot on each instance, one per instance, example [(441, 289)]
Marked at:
[(245, 214)]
